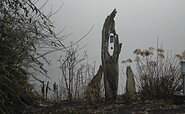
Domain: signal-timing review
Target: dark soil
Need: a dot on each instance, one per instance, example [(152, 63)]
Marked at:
[(117, 107)]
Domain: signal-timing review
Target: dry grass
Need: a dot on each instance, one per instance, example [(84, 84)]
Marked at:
[(159, 76)]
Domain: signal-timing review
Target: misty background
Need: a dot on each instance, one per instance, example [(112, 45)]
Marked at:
[(138, 24)]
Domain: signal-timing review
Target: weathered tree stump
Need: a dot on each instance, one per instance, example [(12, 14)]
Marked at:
[(92, 93), (130, 84), (110, 62)]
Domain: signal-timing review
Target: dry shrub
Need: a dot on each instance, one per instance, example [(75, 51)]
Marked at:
[(23, 31), (15, 91), (159, 76)]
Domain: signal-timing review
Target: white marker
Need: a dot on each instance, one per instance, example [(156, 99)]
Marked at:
[(111, 44)]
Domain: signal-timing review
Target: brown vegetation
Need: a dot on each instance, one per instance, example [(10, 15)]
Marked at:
[(159, 76)]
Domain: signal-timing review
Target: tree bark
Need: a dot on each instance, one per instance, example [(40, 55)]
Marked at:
[(110, 62)]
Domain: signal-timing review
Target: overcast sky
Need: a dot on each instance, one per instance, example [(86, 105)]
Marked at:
[(138, 23)]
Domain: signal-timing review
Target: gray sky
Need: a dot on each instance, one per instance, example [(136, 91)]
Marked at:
[(138, 22)]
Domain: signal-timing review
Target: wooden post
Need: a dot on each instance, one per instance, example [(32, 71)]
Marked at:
[(110, 62)]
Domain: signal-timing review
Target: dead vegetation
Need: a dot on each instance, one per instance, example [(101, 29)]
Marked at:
[(159, 76)]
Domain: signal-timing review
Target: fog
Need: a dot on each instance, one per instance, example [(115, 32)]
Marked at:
[(138, 23)]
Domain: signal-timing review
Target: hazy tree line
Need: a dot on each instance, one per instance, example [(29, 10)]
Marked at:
[(77, 71)]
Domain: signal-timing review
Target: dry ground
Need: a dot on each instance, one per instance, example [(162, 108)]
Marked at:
[(118, 107)]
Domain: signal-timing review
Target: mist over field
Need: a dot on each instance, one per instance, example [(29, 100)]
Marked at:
[(139, 24)]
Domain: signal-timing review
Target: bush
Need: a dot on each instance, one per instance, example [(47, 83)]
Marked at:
[(159, 76), (23, 31)]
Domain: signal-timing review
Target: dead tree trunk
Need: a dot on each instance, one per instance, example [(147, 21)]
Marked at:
[(110, 62)]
